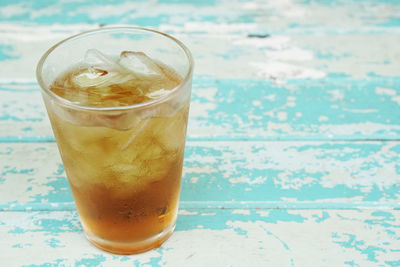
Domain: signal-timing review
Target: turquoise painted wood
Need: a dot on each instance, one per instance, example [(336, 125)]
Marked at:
[(301, 109), (238, 236), (293, 152), (230, 175)]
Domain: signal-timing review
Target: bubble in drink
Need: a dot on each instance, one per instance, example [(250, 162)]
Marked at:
[(124, 167)]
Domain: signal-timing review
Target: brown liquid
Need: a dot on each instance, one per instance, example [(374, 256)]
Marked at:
[(124, 174), (134, 216)]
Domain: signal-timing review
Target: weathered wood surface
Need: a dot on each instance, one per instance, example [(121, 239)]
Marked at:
[(249, 109), (215, 237), (293, 153), (231, 175)]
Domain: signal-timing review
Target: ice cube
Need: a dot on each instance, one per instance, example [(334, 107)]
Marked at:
[(158, 93), (151, 150), (95, 58), (94, 76), (172, 131), (90, 77), (99, 70), (122, 121), (139, 63), (132, 134)]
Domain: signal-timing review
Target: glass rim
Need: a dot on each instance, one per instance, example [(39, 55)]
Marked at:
[(151, 102)]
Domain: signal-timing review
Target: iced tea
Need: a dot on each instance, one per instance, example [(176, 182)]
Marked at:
[(124, 166)]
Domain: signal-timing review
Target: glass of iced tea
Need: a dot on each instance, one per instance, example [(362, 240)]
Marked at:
[(118, 102)]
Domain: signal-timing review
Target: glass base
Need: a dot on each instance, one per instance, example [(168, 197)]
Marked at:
[(128, 248)]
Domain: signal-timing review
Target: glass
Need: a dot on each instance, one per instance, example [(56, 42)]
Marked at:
[(123, 163)]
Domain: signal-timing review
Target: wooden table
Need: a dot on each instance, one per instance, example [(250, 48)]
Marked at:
[(293, 152)]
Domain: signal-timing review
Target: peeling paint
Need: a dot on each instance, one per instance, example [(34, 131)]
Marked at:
[(293, 136)]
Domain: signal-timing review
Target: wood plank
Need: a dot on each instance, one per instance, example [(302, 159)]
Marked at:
[(294, 134), (276, 57), (22, 113), (231, 175), (329, 109), (217, 237), (215, 15)]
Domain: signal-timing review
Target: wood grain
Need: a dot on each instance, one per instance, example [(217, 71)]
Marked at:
[(231, 175), (293, 152), (215, 237)]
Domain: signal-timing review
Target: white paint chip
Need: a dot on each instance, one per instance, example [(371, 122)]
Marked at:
[(186, 212), (361, 110), (389, 92), (256, 103), (282, 116), (208, 214), (198, 109), (206, 93), (323, 118), (290, 54), (385, 91), (263, 213), (205, 169), (241, 211), (246, 180), (336, 95), (281, 70), (194, 180), (10, 10)]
